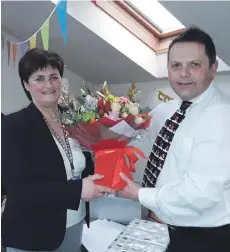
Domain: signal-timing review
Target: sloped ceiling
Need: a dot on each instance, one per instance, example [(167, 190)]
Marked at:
[(94, 59), (211, 16), (85, 53)]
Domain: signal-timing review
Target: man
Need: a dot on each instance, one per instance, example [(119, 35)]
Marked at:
[(188, 184)]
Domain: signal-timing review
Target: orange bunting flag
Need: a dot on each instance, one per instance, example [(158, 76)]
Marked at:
[(45, 34), (33, 41), (14, 53), (8, 51)]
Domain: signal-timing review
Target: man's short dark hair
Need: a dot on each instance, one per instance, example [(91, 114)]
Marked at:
[(36, 59), (194, 34)]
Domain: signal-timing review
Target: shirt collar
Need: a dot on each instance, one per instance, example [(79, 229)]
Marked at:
[(204, 95), (201, 97)]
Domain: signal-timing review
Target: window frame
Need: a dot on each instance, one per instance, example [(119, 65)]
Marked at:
[(138, 25)]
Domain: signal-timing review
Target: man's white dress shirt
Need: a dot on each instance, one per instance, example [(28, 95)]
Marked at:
[(193, 188)]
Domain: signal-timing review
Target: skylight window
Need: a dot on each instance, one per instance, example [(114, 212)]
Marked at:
[(156, 14)]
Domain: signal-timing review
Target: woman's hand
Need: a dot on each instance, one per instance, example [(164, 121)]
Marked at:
[(91, 191)]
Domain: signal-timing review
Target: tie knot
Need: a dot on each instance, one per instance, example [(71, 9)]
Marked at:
[(185, 105)]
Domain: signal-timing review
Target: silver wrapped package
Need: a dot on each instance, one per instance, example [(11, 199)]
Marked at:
[(141, 236)]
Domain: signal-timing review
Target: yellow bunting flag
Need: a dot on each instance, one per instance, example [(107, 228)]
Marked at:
[(33, 41), (14, 53), (45, 34)]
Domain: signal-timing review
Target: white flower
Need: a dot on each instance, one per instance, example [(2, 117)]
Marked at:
[(128, 105), (124, 115), (139, 120), (82, 108), (90, 102), (133, 110), (116, 107)]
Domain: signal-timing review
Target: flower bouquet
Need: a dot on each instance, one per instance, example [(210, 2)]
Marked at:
[(104, 124)]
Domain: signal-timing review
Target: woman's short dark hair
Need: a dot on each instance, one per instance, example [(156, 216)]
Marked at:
[(194, 34), (36, 59)]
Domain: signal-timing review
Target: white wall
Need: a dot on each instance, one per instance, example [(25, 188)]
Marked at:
[(149, 90), (223, 83), (13, 97)]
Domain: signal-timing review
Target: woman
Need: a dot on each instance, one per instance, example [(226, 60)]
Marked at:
[(3, 191), (42, 168)]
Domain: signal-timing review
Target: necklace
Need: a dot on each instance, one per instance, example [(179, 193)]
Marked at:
[(57, 115), (65, 145)]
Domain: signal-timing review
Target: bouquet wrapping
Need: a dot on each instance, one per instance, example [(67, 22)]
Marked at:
[(104, 125)]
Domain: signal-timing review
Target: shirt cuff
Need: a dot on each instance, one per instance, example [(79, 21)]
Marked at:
[(147, 198)]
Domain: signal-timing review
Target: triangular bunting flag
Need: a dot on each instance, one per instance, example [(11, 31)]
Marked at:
[(14, 53), (8, 51), (45, 34), (23, 49), (95, 2), (33, 41), (3, 42), (62, 16)]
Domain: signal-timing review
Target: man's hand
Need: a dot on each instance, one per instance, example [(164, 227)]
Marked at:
[(91, 191), (131, 190)]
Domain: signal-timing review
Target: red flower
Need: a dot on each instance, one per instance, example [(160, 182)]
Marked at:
[(107, 107), (100, 104)]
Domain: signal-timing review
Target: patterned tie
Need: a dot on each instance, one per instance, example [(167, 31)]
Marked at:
[(161, 146)]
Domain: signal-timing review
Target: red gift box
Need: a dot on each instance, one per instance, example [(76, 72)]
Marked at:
[(111, 159)]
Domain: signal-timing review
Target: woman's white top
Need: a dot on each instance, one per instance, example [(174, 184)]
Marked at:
[(79, 162)]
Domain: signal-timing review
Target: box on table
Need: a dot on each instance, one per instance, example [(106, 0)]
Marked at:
[(141, 236)]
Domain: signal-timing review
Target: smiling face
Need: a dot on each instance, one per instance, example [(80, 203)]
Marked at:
[(45, 87), (189, 71)]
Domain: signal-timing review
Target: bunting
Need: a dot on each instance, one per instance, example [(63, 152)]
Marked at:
[(8, 51), (45, 34), (61, 10), (14, 53), (3, 42), (33, 41), (23, 49), (95, 2)]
